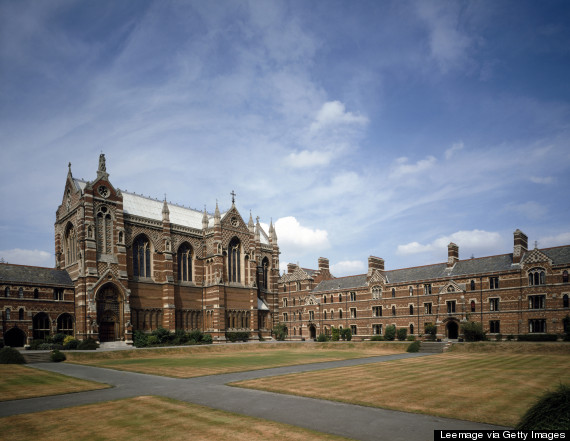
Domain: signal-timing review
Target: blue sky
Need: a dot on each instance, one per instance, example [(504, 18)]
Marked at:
[(385, 128)]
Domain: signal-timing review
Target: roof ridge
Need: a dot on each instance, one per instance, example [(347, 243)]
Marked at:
[(31, 266)]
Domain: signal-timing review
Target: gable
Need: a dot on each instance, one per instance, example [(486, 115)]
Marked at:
[(536, 256)]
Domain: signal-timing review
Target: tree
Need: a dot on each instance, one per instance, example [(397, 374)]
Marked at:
[(473, 331), (390, 333), (280, 332)]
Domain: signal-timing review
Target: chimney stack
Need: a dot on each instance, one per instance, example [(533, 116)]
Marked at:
[(323, 264), (375, 263), (452, 254), (291, 267), (520, 245)]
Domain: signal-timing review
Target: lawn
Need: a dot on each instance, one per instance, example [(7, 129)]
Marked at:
[(149, 418), (17, 382), (210, 360), (494, 388)]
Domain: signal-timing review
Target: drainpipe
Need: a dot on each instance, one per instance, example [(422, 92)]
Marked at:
[(418, 311), (481, 297)]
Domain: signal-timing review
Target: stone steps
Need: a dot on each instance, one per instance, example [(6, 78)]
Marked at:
[(434, 347)]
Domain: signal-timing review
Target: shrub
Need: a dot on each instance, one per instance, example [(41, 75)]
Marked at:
[(413, 347), (551, 412), (11, 356), (335, 334), (36, 343), (207, 339), (538, 337), (67, 339), (322, 338), (510, 337), (45, 347), (163, 335), (377, 338), (88, 345), (280, 332), (196, 336), (57, 356), (71, 344), (390, 333), (59, 338), (411, 338), (473, 331), (402, 333), (1, 343), (499, 337), (237, 336), (346, 334), (431, 331), (140, 339), (152, 340)]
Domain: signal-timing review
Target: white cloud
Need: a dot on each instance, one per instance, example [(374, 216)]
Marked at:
[(402, 167), (306, 158), (348, 267), (542, 180), (333, 113), (472, 240), (28, 257), (294, 238), (454, 148), (553, 241)]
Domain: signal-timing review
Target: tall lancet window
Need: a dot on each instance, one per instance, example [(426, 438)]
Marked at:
[(234, 259), (185, 263), (104, 231), (70, 244), (141, 257), (265, 273)]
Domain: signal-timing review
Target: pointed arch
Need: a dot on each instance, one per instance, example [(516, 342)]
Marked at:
[(104, 223), (234, 260), (265, 273), (142, 265), (70, 244), (184, 258)]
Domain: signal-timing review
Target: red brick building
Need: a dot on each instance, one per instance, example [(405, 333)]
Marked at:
[(138, 264), (522, 292)]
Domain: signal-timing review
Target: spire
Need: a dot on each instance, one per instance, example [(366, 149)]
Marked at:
[(205, 219), (165, 211), (69, 170), (250, 225), (217, 216), (272, 233), (257, 230)]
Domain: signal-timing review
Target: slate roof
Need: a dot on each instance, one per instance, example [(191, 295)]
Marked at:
[(34, 275), (462, 268)]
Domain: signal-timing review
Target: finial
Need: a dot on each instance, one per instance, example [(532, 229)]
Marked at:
[(257, 219), (233, 193), (535, 244)]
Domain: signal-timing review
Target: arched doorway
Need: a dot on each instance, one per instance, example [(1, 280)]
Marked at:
[(109, 313), (41, 324), (15, 338), (452, 330), (313, 331)]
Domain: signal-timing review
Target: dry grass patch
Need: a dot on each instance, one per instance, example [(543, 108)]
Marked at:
[(489, 388), (149, 418), (17, 382), (197, 361), (513, 347)]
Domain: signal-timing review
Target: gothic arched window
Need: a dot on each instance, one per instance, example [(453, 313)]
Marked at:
[(536, 276), (65, 324), (141, 257), (265, 273), (70, 245), (21, 314), (104, 231), (565, 276), (41, 324), (565, 301), (185, 263), (472, 285), (234, 261)]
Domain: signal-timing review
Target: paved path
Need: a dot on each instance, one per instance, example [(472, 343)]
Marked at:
[(357, 422)]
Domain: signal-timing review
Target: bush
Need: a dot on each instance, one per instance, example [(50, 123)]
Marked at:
[(411, 338), (163, 335), (140, 339), (71, 344), (390, 333), (538, 337), (207, 339), (153, 340), (402, 333), (322, 338), (11, 356), (499, 337), (57, 356), (431, 332), (195, 336), (1, 343), (36, 343), (67, 339), (335, 334), (280, 332), (88, 345), (413, 347), (377, 338), (510, 337), (473, 331), (59, 338), (237, 336), (346, 334), (551, 412)]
